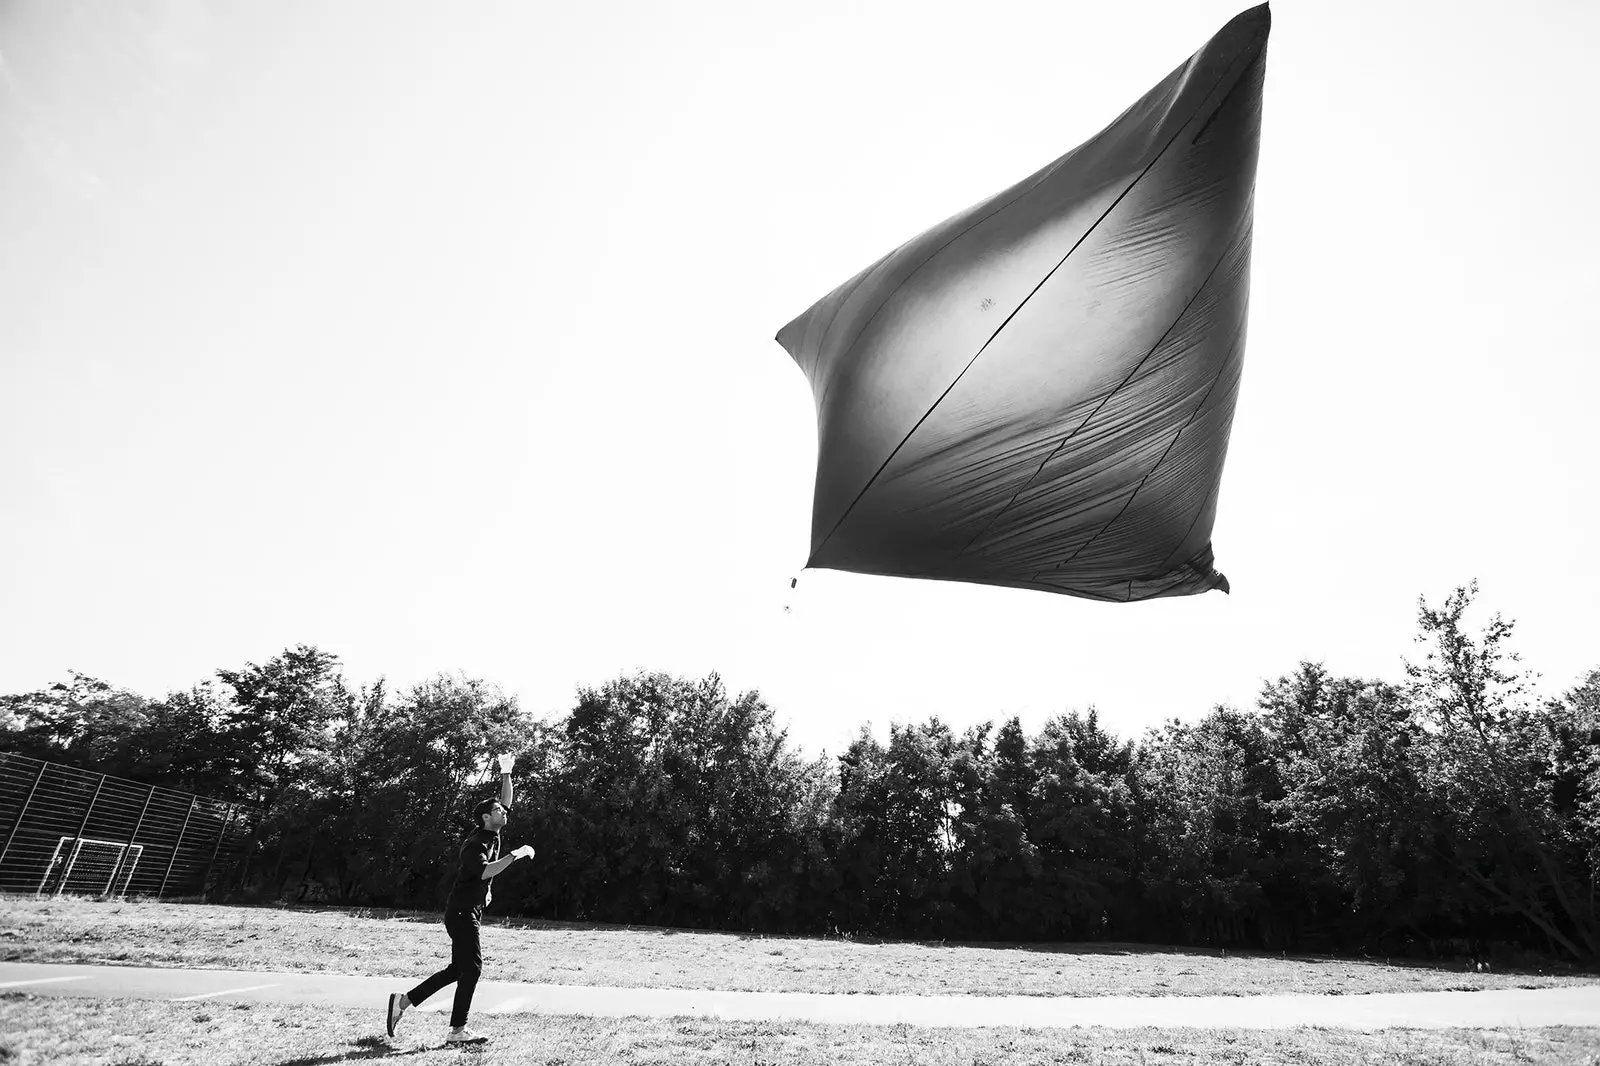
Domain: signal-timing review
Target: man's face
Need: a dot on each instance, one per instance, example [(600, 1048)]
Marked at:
[(495, 820)]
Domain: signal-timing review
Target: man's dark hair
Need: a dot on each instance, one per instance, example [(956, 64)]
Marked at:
[(482, 808)]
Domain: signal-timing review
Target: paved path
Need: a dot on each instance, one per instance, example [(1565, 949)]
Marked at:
[(1501, 1008)]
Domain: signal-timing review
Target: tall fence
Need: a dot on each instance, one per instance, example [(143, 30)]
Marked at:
[(69, 830)]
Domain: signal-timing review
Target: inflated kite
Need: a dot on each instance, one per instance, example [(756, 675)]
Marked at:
[(1037, 393)]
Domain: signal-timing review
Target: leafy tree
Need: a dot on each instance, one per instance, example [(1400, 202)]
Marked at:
[(1339, 811), (1357, 822), (919, 823), (1204, 795), (680, 804), (895, 828), (628, 828), (753, 792), (1092, 747), (1490, 753), (990, 868), (1575, 784), (282, 716), (1082, 826), (85, 722), (403, 776), (184, 744)]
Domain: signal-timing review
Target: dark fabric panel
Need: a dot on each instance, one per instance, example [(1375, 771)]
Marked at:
[(1038, 392)]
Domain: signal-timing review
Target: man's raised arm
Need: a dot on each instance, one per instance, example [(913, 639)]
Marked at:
[(506, 762)]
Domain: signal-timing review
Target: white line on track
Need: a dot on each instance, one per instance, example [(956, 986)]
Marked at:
[(40, 981), (224, 992)]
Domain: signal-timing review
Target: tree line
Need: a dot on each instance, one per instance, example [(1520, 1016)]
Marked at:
[(1447, 807)]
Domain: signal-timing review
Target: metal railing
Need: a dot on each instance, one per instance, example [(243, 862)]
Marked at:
[(65, 829)]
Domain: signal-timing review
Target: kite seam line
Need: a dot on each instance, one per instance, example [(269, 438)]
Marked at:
[(1216, 485), (1104, 400), (1162, 591), (1129, 501), (1151, 472), (1024, 188), (1224, 101), (1173, 554), (1209, 492), (1086, 234), (1227, 252), (1087, 594)]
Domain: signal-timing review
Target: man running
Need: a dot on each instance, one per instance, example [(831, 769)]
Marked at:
[(480, 861)]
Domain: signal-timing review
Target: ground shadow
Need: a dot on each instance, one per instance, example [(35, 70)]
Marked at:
[(368, 1047)]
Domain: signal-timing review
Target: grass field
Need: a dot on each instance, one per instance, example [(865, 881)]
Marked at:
[(37, 1029), (70, 1032), (410, 945)]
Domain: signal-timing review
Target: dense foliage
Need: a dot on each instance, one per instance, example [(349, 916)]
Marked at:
[(1340, 813)]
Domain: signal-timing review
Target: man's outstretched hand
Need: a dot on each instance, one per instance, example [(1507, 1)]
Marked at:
[(523, 852), (506, 762)]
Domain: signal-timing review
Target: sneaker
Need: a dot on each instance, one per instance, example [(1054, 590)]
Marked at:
[(397, 1007), (465, 1036)]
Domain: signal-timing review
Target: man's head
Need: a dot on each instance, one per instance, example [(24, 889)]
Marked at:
[(490, 815)]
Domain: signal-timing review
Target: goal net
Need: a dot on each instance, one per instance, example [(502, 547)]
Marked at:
[(91, 867)]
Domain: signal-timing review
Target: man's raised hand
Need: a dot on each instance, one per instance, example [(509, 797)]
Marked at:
[(506, 762), (524, 852)]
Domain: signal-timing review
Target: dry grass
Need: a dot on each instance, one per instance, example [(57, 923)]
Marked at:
[(68, 1031), (406, 944)]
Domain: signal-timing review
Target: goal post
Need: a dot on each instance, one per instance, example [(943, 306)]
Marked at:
[(91, 867)]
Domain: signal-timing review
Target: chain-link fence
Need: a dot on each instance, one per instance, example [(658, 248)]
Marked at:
[(76, 831)]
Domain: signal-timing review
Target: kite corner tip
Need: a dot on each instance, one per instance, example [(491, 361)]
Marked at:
[(789, 336), (1258, 17), (1222, 583)]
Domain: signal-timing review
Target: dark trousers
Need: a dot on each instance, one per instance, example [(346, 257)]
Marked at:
[(466, 966)]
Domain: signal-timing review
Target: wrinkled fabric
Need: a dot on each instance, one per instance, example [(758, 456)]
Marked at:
[(1037, 392)]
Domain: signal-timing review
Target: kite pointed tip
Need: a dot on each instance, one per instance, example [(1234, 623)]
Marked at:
[(1222, 583), (790, 336), (1257, 19)]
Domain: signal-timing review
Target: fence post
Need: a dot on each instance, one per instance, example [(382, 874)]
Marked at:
[(77, 839), (192, 801), (128, 844), (23, 813), (214, 849)]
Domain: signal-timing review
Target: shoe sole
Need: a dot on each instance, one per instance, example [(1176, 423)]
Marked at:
[(394, 1018)]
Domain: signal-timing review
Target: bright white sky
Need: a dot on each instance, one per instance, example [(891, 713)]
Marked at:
[(440, 336)]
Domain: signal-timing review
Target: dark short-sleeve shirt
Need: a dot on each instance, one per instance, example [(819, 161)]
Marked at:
[(478, 850)]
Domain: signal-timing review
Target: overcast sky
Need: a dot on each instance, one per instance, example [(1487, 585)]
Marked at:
[(440, 336)]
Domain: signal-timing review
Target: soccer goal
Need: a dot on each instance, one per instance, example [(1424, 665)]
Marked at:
[(97, 867)]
